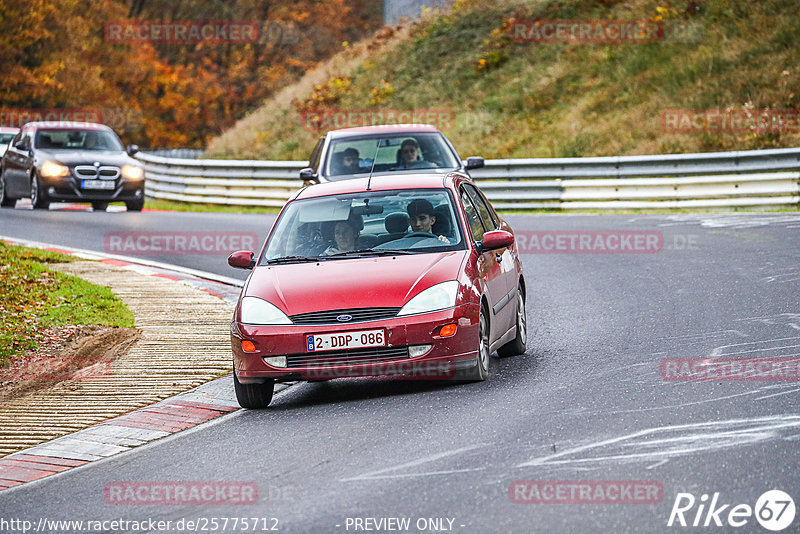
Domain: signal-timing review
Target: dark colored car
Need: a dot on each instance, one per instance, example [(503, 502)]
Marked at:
[(7, 133), (404, 148), (403, 276), (70, 162)]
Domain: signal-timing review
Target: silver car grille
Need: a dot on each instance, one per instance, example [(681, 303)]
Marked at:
[(106, 172)]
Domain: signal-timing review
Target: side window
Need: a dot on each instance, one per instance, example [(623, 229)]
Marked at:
[(488, 221), (313, 161), (474, 220)]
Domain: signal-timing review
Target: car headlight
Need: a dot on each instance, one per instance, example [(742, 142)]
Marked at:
[(259, 311), (438, 297), (132, 172), (50, 169)]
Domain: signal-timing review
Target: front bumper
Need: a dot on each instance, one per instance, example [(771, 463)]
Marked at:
[(441, 362), (69, 188)]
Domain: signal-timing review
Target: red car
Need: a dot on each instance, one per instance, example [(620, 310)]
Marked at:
[(412, 276)]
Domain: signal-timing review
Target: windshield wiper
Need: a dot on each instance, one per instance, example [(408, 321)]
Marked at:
[(363, 253), (293, 259)]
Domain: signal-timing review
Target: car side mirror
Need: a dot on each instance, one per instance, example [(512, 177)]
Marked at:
[(495, 239), (242, 259), (132, 149), (21, 146), (308, 176), (474, 162)]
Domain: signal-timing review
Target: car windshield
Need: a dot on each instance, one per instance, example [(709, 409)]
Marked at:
[(6, 138), (402, 152), (372, 223), (77, 139)]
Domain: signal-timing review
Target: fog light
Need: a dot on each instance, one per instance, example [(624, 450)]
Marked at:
[(276, 361), (248, 346), (51, 191), (448, 330), (415, 351)]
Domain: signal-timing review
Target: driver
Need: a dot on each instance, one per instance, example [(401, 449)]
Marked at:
[(420, 211)]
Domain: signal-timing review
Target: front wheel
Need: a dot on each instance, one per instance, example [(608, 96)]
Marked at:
[(39, 197), (5, 201), (517, 345), (480, 371), (135, 205), (253, 396)]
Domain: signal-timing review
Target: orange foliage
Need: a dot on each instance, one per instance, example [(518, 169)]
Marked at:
[(55, 55)]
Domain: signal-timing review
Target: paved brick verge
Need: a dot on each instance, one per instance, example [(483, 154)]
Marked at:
[(150, 392)]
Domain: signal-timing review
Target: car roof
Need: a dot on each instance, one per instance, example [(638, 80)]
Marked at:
[(385, 128), (65, 125), (379, 183), (8, 129)]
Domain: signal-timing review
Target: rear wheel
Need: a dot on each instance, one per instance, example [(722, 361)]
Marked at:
[(517, 345), (480, 371), (99, 206), (253, 396), (5, 201), (39, 197)]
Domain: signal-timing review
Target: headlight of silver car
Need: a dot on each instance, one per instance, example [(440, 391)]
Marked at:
[(259, 311), (438, 297)]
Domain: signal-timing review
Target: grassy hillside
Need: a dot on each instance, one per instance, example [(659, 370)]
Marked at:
[(508, 99)]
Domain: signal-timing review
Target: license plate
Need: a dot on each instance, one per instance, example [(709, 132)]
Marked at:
[(346, 340), (98, 184)]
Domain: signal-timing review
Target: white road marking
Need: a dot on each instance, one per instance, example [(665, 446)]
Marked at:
[(379, 473), (688, 439)]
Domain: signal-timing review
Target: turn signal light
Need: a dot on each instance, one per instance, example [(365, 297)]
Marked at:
[(248, 346), (448, 330)]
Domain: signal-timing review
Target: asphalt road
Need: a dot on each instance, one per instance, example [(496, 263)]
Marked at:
[(586, 403)]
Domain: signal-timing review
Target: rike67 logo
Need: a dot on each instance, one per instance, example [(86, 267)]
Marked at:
[(774, 510)]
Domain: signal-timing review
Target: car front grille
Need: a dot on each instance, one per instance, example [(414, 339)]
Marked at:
[(358, 315), (347, 357), (107, 172)]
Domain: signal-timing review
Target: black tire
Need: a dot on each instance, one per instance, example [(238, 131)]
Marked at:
[(480, 371), (517, 346), (135, 205), (5, 201), (253, 396), (39, 197), (99, 206)]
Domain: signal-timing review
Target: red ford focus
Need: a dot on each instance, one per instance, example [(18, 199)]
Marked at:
[(411, 275)]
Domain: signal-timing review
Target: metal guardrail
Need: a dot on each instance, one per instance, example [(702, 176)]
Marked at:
[(717, 179)]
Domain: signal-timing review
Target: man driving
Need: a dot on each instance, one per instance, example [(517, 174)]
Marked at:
[(420, 211)]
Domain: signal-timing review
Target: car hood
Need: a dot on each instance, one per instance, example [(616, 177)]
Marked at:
[(388, 281), (87, 157)]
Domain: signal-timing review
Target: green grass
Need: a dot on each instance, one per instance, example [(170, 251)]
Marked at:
[(34, 298), (171, 205), (564, 100)]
